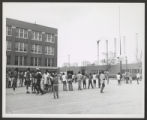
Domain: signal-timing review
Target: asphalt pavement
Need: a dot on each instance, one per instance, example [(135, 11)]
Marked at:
[(116, 99)]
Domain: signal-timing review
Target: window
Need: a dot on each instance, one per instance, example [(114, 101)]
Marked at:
[(9, 46), (37, 36), (20, 60), (50, 38), (9, 30), (8, 59), (49, 50), (35, 61), (21, 33), (21, 47), (47, 62), (36, 49)]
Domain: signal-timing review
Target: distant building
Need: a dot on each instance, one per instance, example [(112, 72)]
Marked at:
[(85, 63), (30, 45), (132, 68)]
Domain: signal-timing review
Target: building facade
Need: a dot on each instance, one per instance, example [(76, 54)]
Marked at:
[(114, 69), (30, 45)]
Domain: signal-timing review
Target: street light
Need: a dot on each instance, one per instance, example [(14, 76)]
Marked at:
[(120, 43), (98, 51), (107, 51), (69, 61)]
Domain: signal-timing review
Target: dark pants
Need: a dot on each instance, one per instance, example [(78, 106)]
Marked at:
[(9, 84), (14, 84), (90, 83), (34, 87), (127, 80), (84, 84), (118, 82), (27, 83), (70, 86), (50, 88), (79, 85), (137, 80), (102, 87), (94, 82), (55, 91), (64, 86), (99, 83), (46, 87), (38, 86)]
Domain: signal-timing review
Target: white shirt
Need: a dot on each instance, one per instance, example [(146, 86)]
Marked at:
[(79, 76), (102, 78), (118, 77), (138, 75), (94, 77), (45, 77), (64, 77)]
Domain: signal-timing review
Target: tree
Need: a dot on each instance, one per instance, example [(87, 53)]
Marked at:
[(111, 60)]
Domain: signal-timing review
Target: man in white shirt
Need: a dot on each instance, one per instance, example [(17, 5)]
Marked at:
[(138, 77), (118, 78), (94, 80), (46, 80), (102, 79), (64, 79), (79, 78)]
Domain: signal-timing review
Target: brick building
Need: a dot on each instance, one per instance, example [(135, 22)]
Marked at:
[(30, 45)]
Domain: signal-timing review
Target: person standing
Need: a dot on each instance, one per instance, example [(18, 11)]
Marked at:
[(107, 77), (79, 79), (99, 81), (21, 78), (138, 77), (118, 78), (28, 80), (94, 80), (46, 79), (130, 78), (84, 81), (33, 82), (127, 77), (15, 77), (49, 82), (55, 86), (90, 81), (70, 82), (9, 79), (102, 78), (64, 80), (38, 85)]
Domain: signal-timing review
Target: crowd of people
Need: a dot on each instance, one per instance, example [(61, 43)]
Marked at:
[(38, 82)]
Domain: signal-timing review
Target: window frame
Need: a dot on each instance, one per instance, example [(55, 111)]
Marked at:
[(21, 47), (9, 45), (21, 32), (37, 35), (7, 30)]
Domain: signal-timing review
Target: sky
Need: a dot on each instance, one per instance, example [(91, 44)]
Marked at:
[(80, 25)]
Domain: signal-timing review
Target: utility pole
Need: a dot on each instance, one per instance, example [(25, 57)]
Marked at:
[(69, 61), (107, 52), (124, 40), (98, 51), (120, 43), (114, 47)]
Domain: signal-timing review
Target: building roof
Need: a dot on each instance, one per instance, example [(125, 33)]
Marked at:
[(32, 26)]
